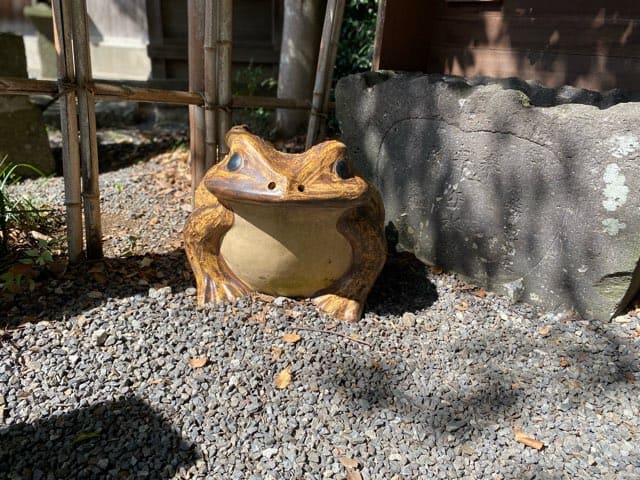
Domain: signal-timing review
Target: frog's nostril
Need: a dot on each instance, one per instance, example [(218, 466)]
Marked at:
[(301, 188), (271, 185)]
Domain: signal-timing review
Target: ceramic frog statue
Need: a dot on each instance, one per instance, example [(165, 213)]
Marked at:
[(296, 225)]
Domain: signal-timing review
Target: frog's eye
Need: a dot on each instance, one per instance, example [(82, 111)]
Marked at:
[(341, 168), (235, 162)]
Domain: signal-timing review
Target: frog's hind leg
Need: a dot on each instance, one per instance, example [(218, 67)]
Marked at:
[(362, 227), (203, 234)]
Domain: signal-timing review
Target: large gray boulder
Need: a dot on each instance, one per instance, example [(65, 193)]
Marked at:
[(541, 203), (23, 138)]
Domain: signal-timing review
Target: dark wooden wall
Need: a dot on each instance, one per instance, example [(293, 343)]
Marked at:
[(257, 29), (587, 43)]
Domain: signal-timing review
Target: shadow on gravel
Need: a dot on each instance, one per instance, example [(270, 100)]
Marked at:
[(119, 439), (402, 287), (371, 385), (122, 147), (90, 284)]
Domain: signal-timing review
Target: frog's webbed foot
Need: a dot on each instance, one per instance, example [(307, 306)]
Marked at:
[(339, 307), (220, 287)]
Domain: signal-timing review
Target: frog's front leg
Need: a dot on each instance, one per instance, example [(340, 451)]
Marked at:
[(203, 234), (362, 227)]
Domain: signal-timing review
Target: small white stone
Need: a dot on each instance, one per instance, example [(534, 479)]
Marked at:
[(269, 452)]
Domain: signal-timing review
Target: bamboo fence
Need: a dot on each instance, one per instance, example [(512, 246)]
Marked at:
[(209, 98)]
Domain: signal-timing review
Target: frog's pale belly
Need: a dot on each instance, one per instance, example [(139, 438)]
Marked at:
[(289, 251)]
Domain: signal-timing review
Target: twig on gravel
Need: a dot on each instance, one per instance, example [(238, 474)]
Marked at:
[(317, 330)]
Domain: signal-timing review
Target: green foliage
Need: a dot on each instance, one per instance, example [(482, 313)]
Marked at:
[(355, 50), (40, 255), (19, 218), (23, 213)]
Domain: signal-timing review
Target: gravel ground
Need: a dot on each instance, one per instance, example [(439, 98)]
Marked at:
[(114, 372)]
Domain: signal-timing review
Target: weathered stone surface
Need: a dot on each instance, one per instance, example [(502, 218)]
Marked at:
[(481, 182), (23, 138)]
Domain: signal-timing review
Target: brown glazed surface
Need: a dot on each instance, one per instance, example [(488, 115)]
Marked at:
[(297, 225)]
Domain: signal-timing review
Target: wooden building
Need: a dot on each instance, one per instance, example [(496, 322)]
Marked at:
[(591, 44)]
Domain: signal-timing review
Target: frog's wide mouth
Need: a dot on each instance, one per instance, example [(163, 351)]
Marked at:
[(352, 194)]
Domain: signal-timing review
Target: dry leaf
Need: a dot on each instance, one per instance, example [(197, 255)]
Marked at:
[(544, 331), (331, 326), (462, 307), (564, 363), (514, 386), (630, 378), (198, 362), (521, 437), (283, 379), (436, 270), (349, 462), (291, 338), (353, 475), (480, 293), (276, 352)]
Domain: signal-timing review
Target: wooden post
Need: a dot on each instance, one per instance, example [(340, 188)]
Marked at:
[(196, 16), (324, 72), (224, 72), (69, 127), (212, 17), (87, 121)]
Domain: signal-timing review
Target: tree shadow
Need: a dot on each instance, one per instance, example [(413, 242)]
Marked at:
[(368, 385), (87, 285), (397, 384), (114, 439), (588, 45)]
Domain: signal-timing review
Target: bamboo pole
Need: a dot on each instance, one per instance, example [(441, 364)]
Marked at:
[(118, 91), (69, 128), (197, 124), (27, 86), (111, 91), (212, 17), (331, 62), (224, 73), (245, 101), (87, 121), (326, 61)]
